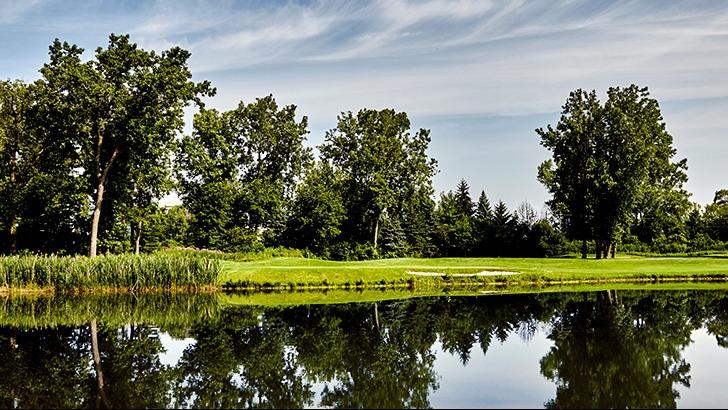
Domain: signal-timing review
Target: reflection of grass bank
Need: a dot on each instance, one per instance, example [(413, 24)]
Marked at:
[(294, 298), (118, 309), (300, 273)]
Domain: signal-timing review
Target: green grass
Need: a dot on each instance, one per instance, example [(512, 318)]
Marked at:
[(280, 273)]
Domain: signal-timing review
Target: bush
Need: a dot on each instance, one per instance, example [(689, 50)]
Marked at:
[(240, 256)]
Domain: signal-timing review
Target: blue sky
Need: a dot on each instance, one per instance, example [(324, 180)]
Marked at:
[(482, 75)]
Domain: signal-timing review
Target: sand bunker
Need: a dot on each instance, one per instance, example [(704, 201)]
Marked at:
[(483, 273)]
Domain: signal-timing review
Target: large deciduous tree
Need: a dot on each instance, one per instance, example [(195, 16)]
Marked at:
[(239, 169), (126, 108), (383, 166), (15, 158), (569, 175), (607, 159)]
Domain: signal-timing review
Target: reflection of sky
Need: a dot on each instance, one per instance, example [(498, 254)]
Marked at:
[(481, 74), (708, 371), (508, 376), (173, 348)]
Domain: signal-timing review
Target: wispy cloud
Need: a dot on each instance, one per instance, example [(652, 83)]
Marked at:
[(431, 58), (14, 10)]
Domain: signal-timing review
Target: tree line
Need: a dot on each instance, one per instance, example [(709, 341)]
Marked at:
[(87, 150)]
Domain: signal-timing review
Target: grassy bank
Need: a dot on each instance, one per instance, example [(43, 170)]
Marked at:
[(301, 273), (127, 272)]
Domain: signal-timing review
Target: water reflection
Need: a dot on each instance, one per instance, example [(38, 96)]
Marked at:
[(607, 349)]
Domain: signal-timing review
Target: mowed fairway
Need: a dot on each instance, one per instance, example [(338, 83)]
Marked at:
[(301, 272)]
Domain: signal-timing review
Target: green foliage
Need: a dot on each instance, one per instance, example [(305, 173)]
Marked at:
[(317, 211), (716, 217), (87, 150), (238, 171), (383, 166), (165, 228), (609, 162), (267, 253), (107, 272), (125, 108), (454, 235)]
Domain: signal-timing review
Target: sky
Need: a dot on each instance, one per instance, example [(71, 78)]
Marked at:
[(481, 75)]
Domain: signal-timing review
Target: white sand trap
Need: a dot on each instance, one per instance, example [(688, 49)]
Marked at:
[(483, 273)]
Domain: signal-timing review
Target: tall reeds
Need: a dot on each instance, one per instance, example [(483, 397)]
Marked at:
[(64, 273)]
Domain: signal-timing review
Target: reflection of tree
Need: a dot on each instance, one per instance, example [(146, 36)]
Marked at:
[(241, 362), (44, 368), (464, 322), (718, 322), (134, 377), (380, 358), (610, 350), (611, 353)]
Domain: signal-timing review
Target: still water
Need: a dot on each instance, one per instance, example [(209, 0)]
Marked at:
[(597, 349)]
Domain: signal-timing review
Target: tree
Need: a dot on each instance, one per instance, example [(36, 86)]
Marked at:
[(317, 211), (569, 176), (15, 158), (126, 107), (464, 203), (502, 223), (380, 161), (605, 158), (42, 201), (456, 225), (482, 224), (716, 216), (633, 154), (249, 160)]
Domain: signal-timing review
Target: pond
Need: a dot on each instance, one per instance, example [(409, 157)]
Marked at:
[(622, 348)]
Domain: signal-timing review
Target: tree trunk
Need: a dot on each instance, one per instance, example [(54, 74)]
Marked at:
[(95, 220), (376, 230), (598, 246), (101, 177), (583, 249), (12, 221), (12, 232), (97, 365), (614, 249), (137, 238)]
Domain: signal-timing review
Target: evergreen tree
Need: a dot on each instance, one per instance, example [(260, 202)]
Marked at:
[(464, 204), (502, 223), (482, 226)]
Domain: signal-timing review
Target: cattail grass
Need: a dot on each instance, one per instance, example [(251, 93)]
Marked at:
[(64, 273)]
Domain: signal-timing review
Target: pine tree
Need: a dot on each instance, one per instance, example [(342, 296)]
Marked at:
[(463, 202), (483, 226), (502, 223)]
